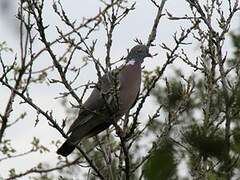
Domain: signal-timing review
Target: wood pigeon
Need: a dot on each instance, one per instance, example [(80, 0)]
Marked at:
[(114, 94)]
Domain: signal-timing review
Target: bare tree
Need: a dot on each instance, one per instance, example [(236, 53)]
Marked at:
[(209, 142)]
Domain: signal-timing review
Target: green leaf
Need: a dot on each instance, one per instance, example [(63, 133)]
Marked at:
[(207, 144), (12, 172), (3, 47), (161, 164), (211, 176), (176, 93)]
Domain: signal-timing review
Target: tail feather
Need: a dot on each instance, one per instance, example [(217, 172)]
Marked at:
[(66, 149)]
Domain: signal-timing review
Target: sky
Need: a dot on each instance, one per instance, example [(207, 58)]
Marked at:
[(137, 25)]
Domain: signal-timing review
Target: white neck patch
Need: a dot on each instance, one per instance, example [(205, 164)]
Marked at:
[(131, 62)]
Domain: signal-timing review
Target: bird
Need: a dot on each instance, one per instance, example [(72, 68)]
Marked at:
[(114, 95)]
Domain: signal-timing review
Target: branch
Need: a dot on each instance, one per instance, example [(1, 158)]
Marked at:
[(40, 171), (153, 33), (170, 58), (54, 124), (84, 24)]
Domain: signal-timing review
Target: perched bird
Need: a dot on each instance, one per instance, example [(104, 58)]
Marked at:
[(114, 94)]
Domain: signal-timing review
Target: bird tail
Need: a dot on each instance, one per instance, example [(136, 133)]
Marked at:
[(66, 149)]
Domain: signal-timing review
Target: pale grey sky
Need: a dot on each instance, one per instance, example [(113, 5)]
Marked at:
[(137, 25)]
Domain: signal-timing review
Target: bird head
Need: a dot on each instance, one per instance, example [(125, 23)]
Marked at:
[(138, 53)]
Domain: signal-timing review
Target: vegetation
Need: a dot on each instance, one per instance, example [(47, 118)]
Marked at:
[(195, 120)]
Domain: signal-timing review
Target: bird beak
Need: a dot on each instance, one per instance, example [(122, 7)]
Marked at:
[(149, 55)]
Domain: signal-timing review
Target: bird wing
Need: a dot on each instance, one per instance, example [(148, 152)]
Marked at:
[(135, 101), (98, 103)]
